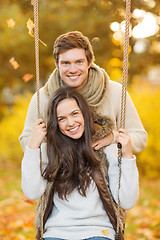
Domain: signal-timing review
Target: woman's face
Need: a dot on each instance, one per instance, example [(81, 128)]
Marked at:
[(70, 118)]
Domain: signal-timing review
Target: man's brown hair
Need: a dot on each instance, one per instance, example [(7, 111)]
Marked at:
[(72, 40)]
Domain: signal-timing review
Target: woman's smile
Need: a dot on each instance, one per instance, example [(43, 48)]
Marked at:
[(74, 129)]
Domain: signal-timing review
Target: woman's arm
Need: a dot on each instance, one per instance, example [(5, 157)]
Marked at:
[(129, 184), (33, 184)]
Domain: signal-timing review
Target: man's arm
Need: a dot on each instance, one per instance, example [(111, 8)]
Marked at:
[(134, 127), (31, 118), (133, 123)]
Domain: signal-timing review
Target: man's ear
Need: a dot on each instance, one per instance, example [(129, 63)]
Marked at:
[(90, 64), (56, 64)]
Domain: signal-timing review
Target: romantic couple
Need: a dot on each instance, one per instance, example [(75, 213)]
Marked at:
[(77, 136)]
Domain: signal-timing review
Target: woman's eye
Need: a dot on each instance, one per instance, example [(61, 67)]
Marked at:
[(75, 113), (60, 119)]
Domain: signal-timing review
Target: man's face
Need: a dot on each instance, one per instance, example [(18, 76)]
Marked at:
[(73, 67)]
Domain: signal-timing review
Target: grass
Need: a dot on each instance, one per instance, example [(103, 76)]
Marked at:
[(17, 213), (143, 221)]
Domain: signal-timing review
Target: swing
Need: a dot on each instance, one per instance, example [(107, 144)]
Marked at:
[(123, 93)]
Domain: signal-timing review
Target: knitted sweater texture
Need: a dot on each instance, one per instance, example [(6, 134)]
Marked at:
[(34, 190)]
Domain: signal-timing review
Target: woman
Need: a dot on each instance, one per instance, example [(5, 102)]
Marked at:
[(80, 185)]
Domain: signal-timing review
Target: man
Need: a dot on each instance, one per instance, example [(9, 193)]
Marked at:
[(74, 59)]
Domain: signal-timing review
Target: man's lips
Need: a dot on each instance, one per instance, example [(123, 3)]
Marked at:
[(73, 77)]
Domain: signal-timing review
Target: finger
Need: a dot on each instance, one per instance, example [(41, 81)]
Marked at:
[(124, 131), (43, 131), (42, 125), (94, 144), (97, 147), (39, 121)]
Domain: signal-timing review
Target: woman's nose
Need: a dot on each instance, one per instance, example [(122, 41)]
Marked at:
[(70, 121)]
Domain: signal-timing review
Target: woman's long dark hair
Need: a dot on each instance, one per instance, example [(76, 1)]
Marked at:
[(71, 161)]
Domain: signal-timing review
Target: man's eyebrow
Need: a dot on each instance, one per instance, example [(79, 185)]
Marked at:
[(81, 59), (66, 61)]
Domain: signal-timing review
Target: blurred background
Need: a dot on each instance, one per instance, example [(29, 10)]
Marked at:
[(103, 22)]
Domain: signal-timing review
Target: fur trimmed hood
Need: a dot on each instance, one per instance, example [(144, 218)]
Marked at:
[(103, 126)]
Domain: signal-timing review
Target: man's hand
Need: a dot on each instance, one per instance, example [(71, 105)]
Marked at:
[(103, 142), (124, 139)]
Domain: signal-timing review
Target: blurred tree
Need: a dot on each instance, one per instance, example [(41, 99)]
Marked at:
[(92, 17), (146, 99)]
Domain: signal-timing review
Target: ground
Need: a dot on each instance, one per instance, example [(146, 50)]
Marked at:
[(17, 213)]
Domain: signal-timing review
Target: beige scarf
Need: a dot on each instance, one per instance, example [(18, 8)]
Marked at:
[(94, 91)]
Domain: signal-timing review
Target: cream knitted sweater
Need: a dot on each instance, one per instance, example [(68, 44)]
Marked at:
[(108, 105), (81, 217)]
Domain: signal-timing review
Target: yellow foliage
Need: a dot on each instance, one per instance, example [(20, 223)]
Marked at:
[(146, 100), (11, 127), (116, 74), (115, 62)]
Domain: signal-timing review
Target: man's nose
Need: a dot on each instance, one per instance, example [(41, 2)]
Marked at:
[(73, 68)]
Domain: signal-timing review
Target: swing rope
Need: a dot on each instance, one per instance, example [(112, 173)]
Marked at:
[(123, 97), (123, 94), (36, 35)]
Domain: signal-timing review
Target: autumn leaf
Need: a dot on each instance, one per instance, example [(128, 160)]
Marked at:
[(30, 26), (10, 23), (28, 201), (27, 77), (105, 232), (95, 40), (14, 63)]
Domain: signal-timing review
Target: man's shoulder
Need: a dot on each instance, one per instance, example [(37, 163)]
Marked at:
[(43, 99), (114, 84), (42, 94), (114, 88)]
